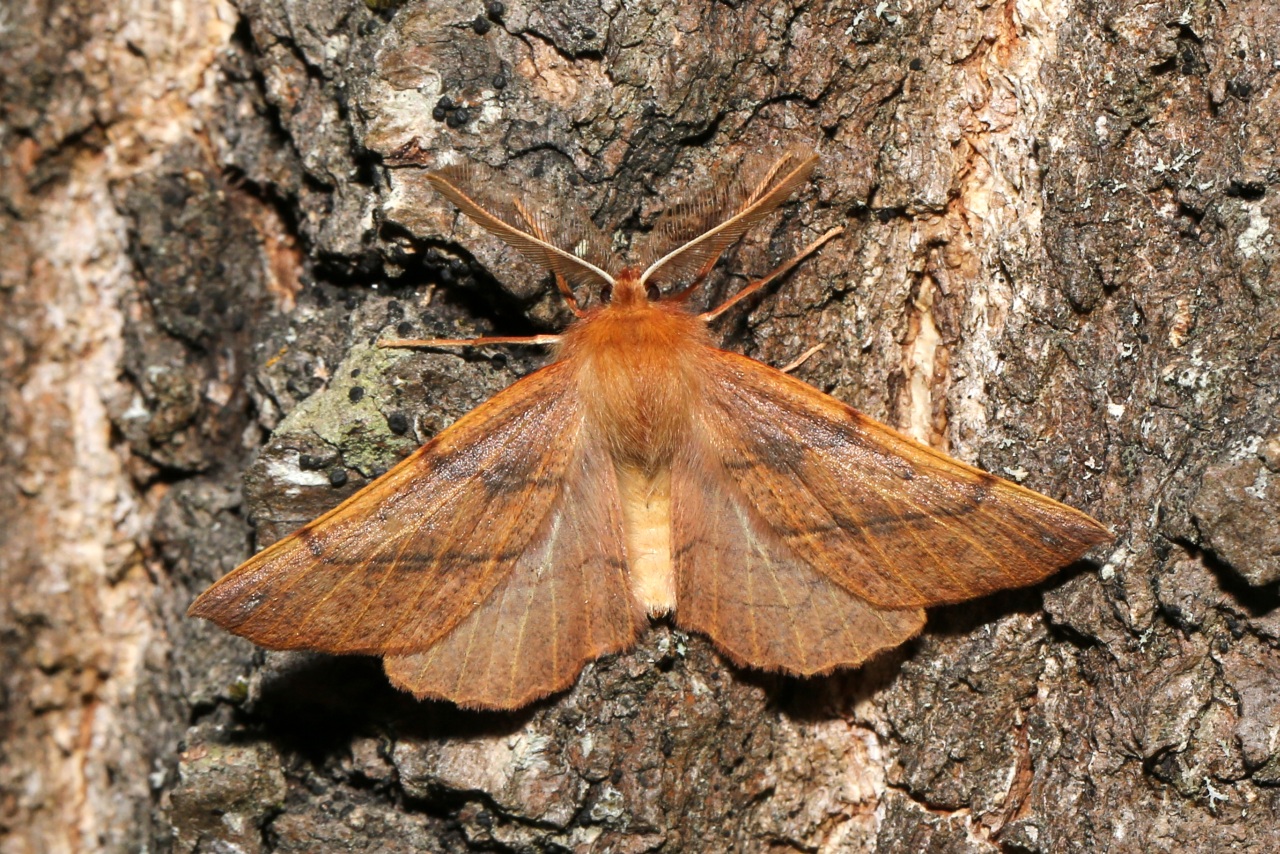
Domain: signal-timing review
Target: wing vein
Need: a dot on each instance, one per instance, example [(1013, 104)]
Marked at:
[(386, 576)]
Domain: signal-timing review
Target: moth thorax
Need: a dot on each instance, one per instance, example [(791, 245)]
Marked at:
[(640, 380)]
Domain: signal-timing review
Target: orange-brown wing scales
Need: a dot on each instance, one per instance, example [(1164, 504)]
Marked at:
[(400, 563), (748, 591), (889, 519), (567, 601)]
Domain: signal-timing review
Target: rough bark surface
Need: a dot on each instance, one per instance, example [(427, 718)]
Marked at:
[(1060, 264)]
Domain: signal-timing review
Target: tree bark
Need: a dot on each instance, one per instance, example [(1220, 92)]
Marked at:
[(1059, 264)]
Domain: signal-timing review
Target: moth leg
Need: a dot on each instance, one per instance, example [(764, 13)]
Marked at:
[(760, 283), (687, 291), (802, 358), (569, 298), (529, 340)]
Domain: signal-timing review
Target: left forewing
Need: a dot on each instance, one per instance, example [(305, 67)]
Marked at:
[(893, 521)]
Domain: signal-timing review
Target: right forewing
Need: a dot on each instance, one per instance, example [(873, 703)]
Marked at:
[(496, 550)]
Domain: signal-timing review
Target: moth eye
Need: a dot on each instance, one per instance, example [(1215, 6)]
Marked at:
[(652, 290), (606, 292)]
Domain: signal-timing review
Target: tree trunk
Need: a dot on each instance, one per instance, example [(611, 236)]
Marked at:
[(1059, 264)]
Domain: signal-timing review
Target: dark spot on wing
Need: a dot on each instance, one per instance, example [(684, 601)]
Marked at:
[(308, 537), (500, 480), (1050, 539), (900, 467)]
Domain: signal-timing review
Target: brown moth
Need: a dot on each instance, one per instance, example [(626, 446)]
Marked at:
[(643, 472)]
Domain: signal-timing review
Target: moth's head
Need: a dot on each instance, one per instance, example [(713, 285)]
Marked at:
[(629, 289)]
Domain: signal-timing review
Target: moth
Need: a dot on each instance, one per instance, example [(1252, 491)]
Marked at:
[(643, 472)]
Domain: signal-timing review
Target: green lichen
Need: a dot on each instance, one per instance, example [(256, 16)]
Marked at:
[(354, 422)]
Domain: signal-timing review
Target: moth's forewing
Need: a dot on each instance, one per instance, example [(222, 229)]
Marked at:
[(888, 519), (402, 563)]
